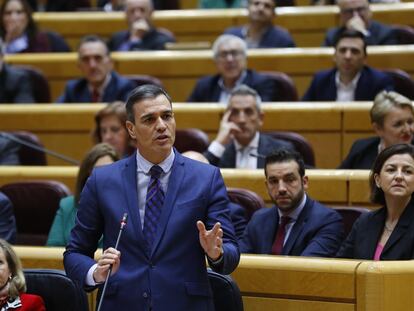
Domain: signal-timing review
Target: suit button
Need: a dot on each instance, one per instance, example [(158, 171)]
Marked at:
[(145, 295)]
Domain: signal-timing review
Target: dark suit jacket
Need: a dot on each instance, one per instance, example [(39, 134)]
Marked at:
[(172, 274), (362, 241), (208, 90), (77, 91), (15, 86), (362, 154), (153, 40), (7, 220), (274, 37), (370, 83), (238, 218), (380, 34), (266, 145), (9, 152), (318, 232)]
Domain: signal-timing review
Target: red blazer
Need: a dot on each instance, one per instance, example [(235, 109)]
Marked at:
[(31, 303)]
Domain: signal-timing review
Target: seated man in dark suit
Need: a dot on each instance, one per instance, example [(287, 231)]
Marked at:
[(260, 31), (100, 83), (7, 220), (9, 151), (351, 79), (296, 225), (230, 56), (239, 144), (15, 86), (141, 33), (356, 15)]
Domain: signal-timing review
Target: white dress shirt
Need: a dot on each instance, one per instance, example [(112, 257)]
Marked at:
[(346, 92)]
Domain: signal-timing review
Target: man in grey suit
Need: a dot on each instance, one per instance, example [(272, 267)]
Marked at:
[(239, 144), (15, 85)]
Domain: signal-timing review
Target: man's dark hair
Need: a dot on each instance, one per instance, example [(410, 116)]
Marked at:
[(285, 155), (93, 38), (349, 33), (377, 194), (146, 91)]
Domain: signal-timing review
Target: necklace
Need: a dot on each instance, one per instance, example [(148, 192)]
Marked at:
[(390, 227)]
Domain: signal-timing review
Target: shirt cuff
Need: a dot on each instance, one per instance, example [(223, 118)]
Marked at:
[(89, 276), (216, 149), (215, 262)]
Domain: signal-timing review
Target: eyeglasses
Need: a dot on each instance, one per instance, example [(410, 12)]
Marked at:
[(233, 53), (350, 11)]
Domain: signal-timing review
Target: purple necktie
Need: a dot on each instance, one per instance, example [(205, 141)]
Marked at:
[(153, 205)]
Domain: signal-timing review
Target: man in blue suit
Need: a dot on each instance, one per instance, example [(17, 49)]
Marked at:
[(165, 244), (260, 31), (230, 57), (100, 83), (351, 79), (296, 225)]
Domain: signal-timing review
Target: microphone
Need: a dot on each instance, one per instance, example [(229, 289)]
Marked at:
[(257, 155), (123, 224), (41, 149)]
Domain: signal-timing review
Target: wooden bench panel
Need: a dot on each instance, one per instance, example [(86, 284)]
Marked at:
[(271, 304), (306, 24)]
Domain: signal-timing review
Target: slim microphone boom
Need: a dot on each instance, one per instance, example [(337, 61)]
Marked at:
[(123, 224), (35, 147)]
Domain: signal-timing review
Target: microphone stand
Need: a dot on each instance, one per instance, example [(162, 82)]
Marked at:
[(123, 223), (35, 147)]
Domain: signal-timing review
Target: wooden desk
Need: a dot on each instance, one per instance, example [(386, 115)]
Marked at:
[(306, 24), (336, 187), (270, 283), (179, 70)]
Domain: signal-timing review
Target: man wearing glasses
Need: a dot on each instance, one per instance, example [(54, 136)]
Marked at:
[(356, 15), (230, 57)]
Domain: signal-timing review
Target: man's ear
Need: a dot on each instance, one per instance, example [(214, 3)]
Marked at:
[(131, 129)]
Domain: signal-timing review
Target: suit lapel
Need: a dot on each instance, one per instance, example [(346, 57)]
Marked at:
[(331, 91), (373, 233), (361, 91), (261, 150), (269, 231), (174, 183), (129, 179), (297, 227), (400, 230)]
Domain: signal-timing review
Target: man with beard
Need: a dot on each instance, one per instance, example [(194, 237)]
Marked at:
[(296, 225), (260, 31), (351, 79)]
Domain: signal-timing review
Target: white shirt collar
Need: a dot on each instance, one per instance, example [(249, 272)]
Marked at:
[(143, 165), (346, 92), (103, 86), (254, 143)]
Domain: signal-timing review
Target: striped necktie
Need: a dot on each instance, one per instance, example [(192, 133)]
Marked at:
[(153, 205)]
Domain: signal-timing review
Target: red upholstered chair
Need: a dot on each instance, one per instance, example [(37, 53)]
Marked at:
[(301, 144), (40, 84), (349, 215), (191, 139), (403, 83), (35, 204), (404, 34), (27, 154), (284, 87), (248, 199)]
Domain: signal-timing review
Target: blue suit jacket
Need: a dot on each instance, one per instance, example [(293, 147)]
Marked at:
[(267, 144), (77, 91), (153, 40), (274, 37), (208, 90), (370, 83), (362, 241), (380, 34), (318, 232), (172, 275), (7, 220)]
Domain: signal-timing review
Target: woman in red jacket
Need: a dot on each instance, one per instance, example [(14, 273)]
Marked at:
[(13, 283)]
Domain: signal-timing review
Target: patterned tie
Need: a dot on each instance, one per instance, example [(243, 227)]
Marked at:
[(153, 205), (280, 236)]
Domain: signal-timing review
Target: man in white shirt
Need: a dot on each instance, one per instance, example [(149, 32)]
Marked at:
[(239, 144), (351, 79)]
